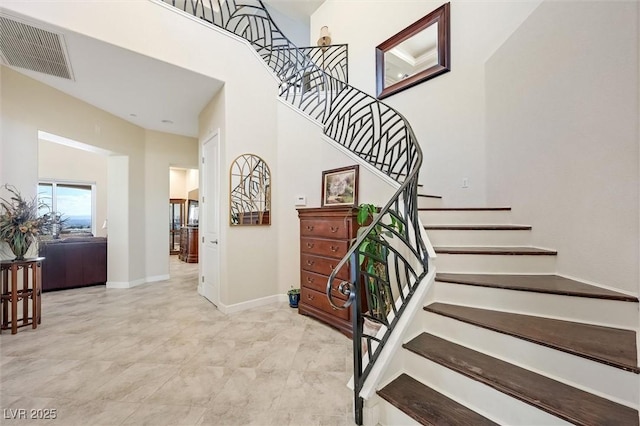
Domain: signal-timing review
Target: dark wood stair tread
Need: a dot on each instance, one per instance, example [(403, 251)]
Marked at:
[(478, 227), (561, 400), (429, 196), (611, 346), (552, 284), (426, 406), (465, 209), (513, 251)]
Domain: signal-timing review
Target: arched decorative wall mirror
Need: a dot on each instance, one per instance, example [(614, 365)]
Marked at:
[(250, 191), (416, 54)]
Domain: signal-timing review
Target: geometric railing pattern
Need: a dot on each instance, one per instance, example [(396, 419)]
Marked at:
[(332, 59), (376, 133)]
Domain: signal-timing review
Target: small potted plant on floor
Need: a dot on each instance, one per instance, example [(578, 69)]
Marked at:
[(294, 297)]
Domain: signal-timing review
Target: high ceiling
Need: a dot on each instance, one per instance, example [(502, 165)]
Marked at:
[(296, 9), (118, 80)]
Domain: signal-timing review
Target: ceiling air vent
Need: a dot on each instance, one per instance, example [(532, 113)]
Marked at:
[(26, 46)]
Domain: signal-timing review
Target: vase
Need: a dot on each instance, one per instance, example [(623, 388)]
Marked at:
[(369, 328), (19, 245)]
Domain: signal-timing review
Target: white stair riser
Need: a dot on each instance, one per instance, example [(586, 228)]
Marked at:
[(390, 415), (429, 202), (495, 264), (479, 238), (465, 217), (608, 313), (480, 398), (594, 377)]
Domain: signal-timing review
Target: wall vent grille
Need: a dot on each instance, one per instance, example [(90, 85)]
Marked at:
[(26, 46)]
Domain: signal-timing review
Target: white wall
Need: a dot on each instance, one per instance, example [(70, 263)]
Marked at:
[(446, 113), (61, 162), (562, 135), (302, 156), (183, 181), (177, 183), (161, 151), (192, 179), (297, 31), (249, 253)]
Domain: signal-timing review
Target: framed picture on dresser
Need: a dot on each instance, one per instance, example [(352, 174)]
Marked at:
[(340, 187)]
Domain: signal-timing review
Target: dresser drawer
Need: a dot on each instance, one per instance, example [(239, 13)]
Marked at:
[(319, 300), (327, 248), (325, 228), (318, 282), (323, 266)]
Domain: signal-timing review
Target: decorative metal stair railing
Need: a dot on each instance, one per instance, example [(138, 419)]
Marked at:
[(380, 136)]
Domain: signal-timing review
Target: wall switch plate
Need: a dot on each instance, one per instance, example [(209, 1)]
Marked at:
[(301, 200), (465, 182)]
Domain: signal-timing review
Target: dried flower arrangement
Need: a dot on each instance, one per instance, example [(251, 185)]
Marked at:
[(20, 223)]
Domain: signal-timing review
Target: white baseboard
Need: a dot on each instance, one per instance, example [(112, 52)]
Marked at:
[(125, 284), (135, 283), (249, 304), (157, 278)]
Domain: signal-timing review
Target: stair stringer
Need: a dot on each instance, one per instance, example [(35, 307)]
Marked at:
[(390, 361)]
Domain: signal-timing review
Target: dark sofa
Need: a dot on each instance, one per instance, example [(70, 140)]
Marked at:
[(73, 262)]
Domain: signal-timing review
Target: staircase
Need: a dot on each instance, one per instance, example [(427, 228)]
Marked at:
[(502, 340)]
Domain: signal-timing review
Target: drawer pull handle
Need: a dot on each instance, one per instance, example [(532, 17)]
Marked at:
[(310, 296), (310, 280), (334, 248), (334, 229), (331, 267), (309, 227), (310, 245), (310, 262)]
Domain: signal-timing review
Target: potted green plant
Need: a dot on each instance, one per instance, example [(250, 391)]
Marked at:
[(373, 251), (294, 297)]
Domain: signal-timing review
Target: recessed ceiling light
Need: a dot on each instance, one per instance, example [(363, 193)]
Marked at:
[(167, 121)]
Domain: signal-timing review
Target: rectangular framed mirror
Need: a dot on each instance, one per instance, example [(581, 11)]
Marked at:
[(418, 53)]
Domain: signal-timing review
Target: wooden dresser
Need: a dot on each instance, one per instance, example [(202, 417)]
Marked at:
[(325, 236), (189, 244)]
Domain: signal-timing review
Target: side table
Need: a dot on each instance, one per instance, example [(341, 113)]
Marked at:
[(11, 294)]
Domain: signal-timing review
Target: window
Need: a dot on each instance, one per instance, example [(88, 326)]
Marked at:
[(75, 201)]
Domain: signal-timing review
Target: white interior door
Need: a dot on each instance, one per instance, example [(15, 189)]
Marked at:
[(210, 220)]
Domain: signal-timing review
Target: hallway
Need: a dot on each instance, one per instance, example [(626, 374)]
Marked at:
[(160, 354)]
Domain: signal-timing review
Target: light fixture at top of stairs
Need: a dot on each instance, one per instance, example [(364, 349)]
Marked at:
[(325, 38)]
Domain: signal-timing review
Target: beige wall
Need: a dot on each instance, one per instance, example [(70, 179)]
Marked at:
[(29, 106), (138, 165), (177, 183), (161, 151), (59, 162), (248, 255), (446, 113), (562, 136), (182, 182), (192, 181)]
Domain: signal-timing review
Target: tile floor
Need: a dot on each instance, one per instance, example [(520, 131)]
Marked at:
[(159, 354)]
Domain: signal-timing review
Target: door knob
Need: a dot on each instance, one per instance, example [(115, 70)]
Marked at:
[(214, 242)]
